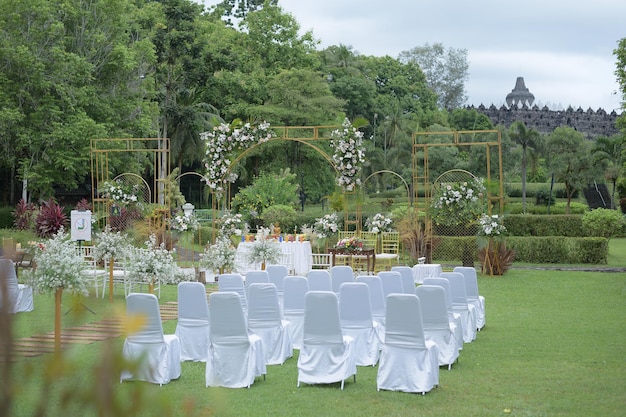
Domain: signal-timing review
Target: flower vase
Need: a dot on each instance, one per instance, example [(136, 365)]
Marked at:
[(111, 280), (57, 320), (263, 266)]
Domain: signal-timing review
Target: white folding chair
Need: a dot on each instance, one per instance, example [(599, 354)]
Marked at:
[(453, 317), (235, 357), (406, 273), (157, 355), (97, 276), (340, 274), (327, 355), (355, 314), (392, 282), (19, 297), (471, 287), (295, 288), (234, 283), (266, 320), (319, 280), (408, 362), (194, 323), (461, 305), (437, 326)]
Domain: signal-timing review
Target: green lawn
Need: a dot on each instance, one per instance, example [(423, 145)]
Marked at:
[(553, 345)]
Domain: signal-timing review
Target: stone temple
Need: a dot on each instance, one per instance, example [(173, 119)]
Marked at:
[(520, 106)]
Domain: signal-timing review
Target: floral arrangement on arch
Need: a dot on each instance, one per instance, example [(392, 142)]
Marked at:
[(120, 193), (349, 154), (152, 263), (222, 142), (232, 224), (378, 223), (219, 256), (59, 266), (110, 245), (264, 249), (350, 244), (326, 225), (183, 222), (458, 203)]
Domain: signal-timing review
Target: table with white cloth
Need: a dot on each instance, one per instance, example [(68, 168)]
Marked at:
[(300, 253), (421, 271)]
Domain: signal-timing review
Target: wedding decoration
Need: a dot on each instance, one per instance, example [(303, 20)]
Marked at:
[(326, 225), (220, 256), (232, 224), (120, 193), (222, 142), (349, 154), (495, 258), (378, 223), (183, 222), (350, 245), (109, 246), (264, 249), (458, 203), (151, 264)]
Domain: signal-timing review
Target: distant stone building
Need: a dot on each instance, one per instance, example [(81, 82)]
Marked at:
[(519, 107)]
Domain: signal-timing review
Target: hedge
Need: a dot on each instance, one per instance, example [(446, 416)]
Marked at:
[(537, 225)]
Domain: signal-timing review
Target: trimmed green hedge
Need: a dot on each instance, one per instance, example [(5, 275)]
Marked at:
[(537, 225), (6, 217), (541, 250)]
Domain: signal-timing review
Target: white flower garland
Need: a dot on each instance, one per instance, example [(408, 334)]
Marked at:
[(349, 154), (221, 143)]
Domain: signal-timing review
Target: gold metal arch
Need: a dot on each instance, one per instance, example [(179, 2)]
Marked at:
[(386, 171)]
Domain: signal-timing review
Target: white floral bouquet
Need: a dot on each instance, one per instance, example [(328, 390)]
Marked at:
[(120, 193), (491, 226), (110, 245), (220, 255), (232, 224), (183, 222), (458, 203), (151, 263), (222, 142), (326, 225), (59, 265), (349, 154), (264, 248), (378, 223)]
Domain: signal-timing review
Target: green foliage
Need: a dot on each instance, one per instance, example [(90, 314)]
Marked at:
[(6, 217), (604, 223), (266, 190), (50, 219), (279, 215), (558, 208), (559, 249), (543, 198), (539, 225)]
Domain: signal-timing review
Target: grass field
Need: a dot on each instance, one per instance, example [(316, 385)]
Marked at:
[(553, 345)]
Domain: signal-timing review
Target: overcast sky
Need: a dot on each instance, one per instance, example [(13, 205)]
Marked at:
[(562, 48)]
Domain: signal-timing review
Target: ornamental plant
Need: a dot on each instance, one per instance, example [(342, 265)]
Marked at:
[(50, 219), (110, 245), (605, 223), (378, 223), (222, 143), (219, 256), (458, 203), (264, 249), (59, 266), (349, 154), (326, 225), (152, 263)]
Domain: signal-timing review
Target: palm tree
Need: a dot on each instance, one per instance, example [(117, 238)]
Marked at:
[(528, 139), (610, 152)]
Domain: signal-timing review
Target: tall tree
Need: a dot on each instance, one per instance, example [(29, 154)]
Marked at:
[(609, 152), (446, 71), (527, 139)]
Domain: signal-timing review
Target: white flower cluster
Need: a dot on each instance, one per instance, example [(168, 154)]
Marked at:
[(378, 223), (183, 222), (221, 142), (458, 203), (349, 154), (151, 263), (59, 265), (110, 245), (491, 226), (264, 248), (460, 193), (326, 226), (232, 224), (120, 193), (219, 255)]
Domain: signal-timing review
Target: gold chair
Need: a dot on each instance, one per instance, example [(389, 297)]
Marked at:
[(389, 254), (364, 262)]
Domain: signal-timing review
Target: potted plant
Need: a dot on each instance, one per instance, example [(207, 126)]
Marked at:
[(219, 257)]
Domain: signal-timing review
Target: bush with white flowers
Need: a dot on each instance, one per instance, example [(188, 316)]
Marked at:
[(219, 256), (152, 263), (349, 154), (110, 245)]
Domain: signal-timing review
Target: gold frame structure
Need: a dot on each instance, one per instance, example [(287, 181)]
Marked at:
[(100, 150)]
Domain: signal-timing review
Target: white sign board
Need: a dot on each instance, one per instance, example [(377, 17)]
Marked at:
[(81, 225)]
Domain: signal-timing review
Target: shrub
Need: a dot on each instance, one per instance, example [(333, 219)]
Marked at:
[(539, 225), (24, 215), (280, 215), (49, 219), (559, 250), (543, 198), (6, 217), (603, 223)]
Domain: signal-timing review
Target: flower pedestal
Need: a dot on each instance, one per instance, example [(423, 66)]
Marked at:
[(495, 258), (57, 320), (111, 280)]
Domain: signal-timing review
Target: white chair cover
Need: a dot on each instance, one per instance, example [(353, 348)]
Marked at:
[(19, 297), (406, 273), (319, 280), (377, 299), (235, 357), (327, 355), (340, 274), (453, 317), (194, 324), (355, 314), (392, 283), (234, 283), (159, 354), (265, 319), (277, 274), (471, 287), (461, 305), (408, 362), (254, 277), (295, 288), (437, 326)]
